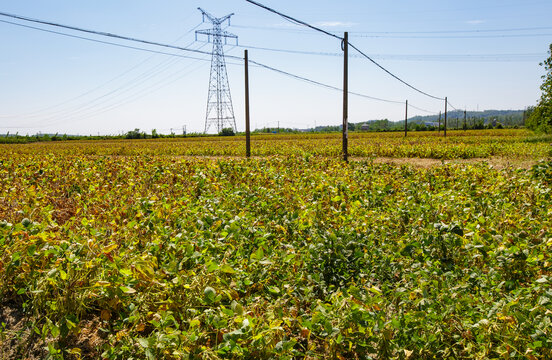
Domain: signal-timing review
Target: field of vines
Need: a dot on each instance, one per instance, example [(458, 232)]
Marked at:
[(458, 145), (183, 249)]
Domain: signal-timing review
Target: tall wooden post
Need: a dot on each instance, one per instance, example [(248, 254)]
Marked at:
[(247, 128), (465, 124), (406, 120), (345, 46), (446, 103)]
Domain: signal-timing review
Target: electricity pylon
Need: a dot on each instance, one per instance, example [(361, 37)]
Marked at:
[(219, 101)]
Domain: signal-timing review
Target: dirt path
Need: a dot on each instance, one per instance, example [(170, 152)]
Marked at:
[(496, 162)]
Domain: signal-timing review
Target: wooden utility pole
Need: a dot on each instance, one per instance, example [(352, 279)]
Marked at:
[(345, 47), (446, 103), (406, 120), (247, 129), (465, 124)]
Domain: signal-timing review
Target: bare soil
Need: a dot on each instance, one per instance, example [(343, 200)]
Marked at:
[(19, 341)]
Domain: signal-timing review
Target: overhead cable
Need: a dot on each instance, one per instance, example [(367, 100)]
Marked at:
[(449, 36), (322, 84), (448, 102), (183, 49), (294, 20), (455, 31), (110, 43), (412, 57), (360, 33), (39, 112), (101, 33), (393, 75)]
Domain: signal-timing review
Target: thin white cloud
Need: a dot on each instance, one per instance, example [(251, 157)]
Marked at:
[(475, 22), (334, 24)]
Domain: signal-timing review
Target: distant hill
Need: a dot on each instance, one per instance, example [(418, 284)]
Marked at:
[(474, 119), (505, 117)]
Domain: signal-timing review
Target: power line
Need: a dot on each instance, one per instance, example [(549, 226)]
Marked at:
[(294, 20), (360, 33), (420, 109), (291, 51), (171, 54), (101, 33), (450, 36), (413, 57), (289, 18), (127, 87), (454, 31), (32, 114), (393, 75), (180, 48), (112, 43), (448, 102), (314, 82), (132, 97)]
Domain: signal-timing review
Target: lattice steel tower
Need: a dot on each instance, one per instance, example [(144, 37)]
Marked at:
[(219, 101)]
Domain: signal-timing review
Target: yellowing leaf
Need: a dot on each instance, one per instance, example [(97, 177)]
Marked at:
[(127, 290), (109, 248), (227, 269)]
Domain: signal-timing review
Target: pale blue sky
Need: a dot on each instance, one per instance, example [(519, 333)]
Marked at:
[(481, 54)]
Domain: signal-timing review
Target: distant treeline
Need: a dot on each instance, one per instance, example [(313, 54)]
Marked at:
[(133, 134), (455, 120), (474, 120), (488, 119)]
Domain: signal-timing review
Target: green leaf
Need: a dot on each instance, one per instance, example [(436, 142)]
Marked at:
[(212, 267), (209, 294), (125, 272), (227, 269), (237, 307), (259, 254), (143, 342), (54, 330), (31, 250), (375, 290), (274, 290)]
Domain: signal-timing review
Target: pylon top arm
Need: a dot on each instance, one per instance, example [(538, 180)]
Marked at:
[(207, 15), (213, 19), (223, 19)]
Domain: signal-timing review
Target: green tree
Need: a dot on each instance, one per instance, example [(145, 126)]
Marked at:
[(134, 134), (227, 132), (540, 118)]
